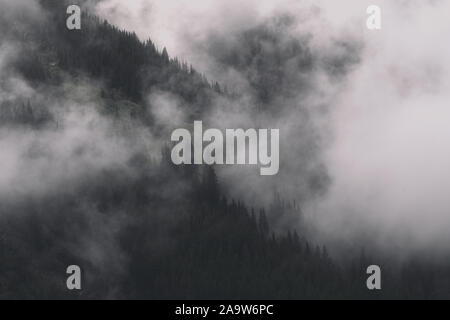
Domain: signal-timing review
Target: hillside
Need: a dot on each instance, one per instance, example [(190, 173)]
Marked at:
[(88, 191)]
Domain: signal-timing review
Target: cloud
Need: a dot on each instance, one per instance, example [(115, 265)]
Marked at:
[(379, 132), (389, 157)]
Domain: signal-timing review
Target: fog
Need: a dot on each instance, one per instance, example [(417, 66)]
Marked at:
[(375, 135)]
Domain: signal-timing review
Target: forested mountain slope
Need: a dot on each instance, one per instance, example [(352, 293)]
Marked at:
[(90, 194)]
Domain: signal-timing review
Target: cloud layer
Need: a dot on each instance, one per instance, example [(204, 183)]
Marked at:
[(383, 137)]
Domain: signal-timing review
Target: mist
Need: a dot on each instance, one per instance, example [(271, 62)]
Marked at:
[(363, 121)]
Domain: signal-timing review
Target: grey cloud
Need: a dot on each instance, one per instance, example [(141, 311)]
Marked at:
[(363, 119)]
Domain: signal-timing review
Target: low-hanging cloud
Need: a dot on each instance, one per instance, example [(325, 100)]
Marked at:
[(379, 127)]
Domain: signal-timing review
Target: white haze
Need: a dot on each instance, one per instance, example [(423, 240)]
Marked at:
[(389, 150)]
